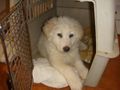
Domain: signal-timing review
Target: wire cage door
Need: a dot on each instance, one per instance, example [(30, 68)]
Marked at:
[(16, 52)]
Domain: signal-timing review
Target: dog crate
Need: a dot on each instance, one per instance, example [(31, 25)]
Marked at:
[(27, 17)]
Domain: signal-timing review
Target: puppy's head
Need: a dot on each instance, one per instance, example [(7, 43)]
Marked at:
[(64, 33)]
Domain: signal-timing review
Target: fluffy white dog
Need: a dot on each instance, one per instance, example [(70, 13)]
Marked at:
[(59, 43)]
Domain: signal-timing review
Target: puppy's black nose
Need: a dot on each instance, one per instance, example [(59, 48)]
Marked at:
[(66, 49)]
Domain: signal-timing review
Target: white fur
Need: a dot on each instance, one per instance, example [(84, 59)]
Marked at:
[(51, 47)]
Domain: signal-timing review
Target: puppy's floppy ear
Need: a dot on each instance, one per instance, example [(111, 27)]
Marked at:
[(49, 26)]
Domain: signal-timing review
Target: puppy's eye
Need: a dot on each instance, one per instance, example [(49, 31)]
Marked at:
[(71, 35), (60, 35)]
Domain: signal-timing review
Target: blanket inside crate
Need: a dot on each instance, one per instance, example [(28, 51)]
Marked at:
[(44, 73)]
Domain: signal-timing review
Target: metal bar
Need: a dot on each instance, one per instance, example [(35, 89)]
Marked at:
[(6, 57)]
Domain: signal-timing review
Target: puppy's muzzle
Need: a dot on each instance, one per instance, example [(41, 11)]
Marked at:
[(66, 49)]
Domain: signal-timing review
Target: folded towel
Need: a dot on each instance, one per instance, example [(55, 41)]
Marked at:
[(44, 73)]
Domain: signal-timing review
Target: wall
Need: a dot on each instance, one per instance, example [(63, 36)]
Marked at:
[(118, 16), (2, 5)]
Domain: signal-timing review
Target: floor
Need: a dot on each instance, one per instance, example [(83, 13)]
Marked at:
[(109, 81)]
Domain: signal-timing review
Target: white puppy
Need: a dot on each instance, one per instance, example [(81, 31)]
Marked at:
[(59, 43)]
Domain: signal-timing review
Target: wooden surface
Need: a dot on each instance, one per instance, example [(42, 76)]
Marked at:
[(3, 77)]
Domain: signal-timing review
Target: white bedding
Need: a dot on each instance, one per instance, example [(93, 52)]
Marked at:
[(44, 73)]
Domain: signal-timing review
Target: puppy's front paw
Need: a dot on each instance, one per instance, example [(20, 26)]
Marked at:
[(76, 88), (84, 74)]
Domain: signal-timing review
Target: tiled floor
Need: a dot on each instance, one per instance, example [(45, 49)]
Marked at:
[(109, 81)]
